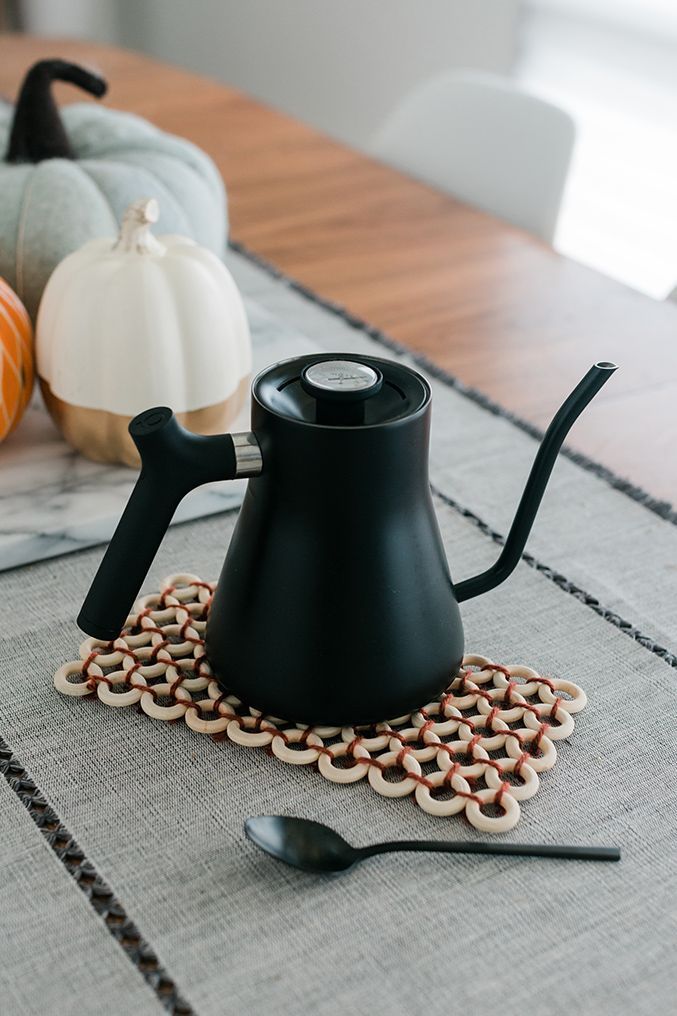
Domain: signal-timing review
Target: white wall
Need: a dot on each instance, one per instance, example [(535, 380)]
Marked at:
[(338, 64), (92, 19), (613, 65), (652, 18)]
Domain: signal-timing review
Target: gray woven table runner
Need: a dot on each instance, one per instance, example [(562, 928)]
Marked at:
[(126, 884)]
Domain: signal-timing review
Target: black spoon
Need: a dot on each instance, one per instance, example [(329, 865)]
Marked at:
[(312, 846)]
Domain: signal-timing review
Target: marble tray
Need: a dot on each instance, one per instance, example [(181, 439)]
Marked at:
[(53, 501)]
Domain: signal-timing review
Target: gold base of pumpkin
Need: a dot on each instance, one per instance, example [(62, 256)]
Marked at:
[(103, 436)]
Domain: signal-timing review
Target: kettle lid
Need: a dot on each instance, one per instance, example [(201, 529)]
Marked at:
[(341, 389)]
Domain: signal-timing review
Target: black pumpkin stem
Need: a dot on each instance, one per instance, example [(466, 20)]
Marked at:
[(37, 130)]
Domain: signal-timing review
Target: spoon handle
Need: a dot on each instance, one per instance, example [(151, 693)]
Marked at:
[(518, 849)]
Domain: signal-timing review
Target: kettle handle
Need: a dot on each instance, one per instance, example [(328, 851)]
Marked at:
[(173, 462)]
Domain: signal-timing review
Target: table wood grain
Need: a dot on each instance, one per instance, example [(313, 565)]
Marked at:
[(487, 302)]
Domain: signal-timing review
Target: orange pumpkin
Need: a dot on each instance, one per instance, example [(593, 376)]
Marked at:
[(16, 359)]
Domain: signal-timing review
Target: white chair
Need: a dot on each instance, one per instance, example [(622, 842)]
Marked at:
[(487, 142)]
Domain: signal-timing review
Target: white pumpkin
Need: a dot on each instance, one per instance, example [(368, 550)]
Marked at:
[(137, 322)]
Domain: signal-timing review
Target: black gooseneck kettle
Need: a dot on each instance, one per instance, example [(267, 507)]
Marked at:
[(335, 603)]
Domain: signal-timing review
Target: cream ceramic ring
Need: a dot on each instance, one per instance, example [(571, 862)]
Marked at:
[(494, 740), (476, 660), (247, 731), (194, 610), (432, 805), (185, 616), (474, 770), (188, 587), (320, 731), (338, 775), (176, 648), (303, 757), (578, 699), (487, 671), (522, 791), (544, 711), (151, 670), (173, 712), (487, 824), (465, 700), (399, 721), (404, 786), (199, 653), (450, 725), (277, 721), (377, 743), (142, 637), (530, 679), (497, 695), (162, 617), (478, 678), (183, 585), (197, 722), (152, 652), (444, 727), (201, 663), (181, 670), (231, 701), (515, 750), (165, 615), (76, 688), (122, 698), (147, 602), (430, 740), (91, 645)]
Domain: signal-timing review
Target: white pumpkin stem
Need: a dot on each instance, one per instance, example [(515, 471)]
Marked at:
[(135, 234)]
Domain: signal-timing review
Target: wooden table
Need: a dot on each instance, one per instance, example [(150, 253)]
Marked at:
[(489, 303)]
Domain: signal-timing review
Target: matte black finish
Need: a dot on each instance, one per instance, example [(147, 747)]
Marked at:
[(312, 846), (284, 391), (530, 501), (174, 462), (37, 129), (335, 603)]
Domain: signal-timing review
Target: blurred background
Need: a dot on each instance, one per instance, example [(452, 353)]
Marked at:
[(344, 67)]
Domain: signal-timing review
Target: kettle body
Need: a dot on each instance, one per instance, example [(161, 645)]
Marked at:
[(335, 603)]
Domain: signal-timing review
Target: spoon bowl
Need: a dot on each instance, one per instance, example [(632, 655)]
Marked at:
[(308, 845), (312, 846)]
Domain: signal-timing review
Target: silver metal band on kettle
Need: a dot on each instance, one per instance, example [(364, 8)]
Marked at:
[(248, 458)]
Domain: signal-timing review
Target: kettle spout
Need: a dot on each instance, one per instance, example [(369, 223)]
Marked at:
[(545, 459)]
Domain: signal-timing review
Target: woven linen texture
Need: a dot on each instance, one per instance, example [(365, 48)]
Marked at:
[(48, 927), (160, 813)]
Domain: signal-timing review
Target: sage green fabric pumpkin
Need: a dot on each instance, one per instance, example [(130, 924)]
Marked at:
[(68, 175)]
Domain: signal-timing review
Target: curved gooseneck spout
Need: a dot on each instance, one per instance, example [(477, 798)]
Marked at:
[(545, 459)]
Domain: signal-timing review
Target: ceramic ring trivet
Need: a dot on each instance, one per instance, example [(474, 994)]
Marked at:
[(446, 750)]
